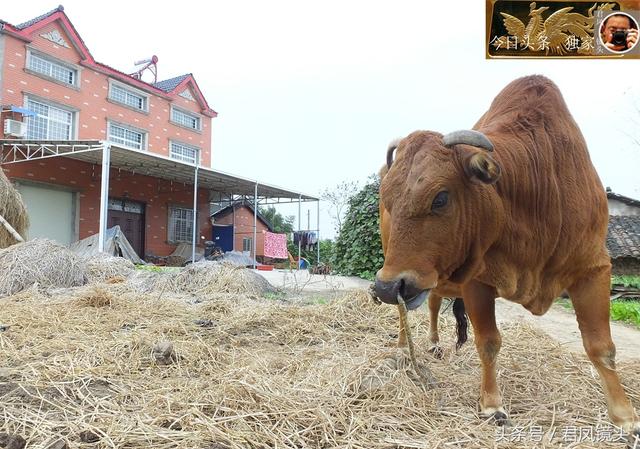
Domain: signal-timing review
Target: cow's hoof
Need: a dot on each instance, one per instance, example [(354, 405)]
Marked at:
[(633, 440), (437, 351), (501, 418), (498, 415)]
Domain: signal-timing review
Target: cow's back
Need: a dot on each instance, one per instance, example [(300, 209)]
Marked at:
[(555, 208)]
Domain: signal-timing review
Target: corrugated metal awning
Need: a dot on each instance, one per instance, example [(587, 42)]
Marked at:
[(150, 164)]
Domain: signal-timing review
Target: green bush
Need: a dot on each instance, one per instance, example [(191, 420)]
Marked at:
[(626, 281), (628, 311), (358, 248)]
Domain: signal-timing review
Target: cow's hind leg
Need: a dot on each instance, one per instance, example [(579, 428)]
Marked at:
[(435, 301), (479, 302), (590, 298)]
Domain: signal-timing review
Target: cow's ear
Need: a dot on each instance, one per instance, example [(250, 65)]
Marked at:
[(482, 167)]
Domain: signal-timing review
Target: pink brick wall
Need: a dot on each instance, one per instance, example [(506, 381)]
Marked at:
[(91, 98)]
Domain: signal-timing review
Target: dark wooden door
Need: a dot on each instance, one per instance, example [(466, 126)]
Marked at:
[(132, 226)]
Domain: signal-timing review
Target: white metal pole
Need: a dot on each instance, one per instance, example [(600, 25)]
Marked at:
[(299, 229), (255, 223), (10, 229), (104, 195), (318, 231), (195, 211)]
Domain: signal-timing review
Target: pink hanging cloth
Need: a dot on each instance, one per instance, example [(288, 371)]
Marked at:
[(275, 245)]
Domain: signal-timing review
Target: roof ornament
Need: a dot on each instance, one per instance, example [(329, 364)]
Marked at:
[(55, 37), (146, 64)]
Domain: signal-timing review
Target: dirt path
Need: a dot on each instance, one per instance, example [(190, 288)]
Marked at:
[(561, 325)]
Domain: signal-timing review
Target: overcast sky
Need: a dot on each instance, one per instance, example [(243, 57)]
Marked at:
[(310, 93)]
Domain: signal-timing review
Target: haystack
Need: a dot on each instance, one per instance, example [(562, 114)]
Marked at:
[(211, 278), (40, 261), (13, 210), (101, 267)]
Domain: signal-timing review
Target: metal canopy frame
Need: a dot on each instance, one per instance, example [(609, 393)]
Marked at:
[(110, 155)]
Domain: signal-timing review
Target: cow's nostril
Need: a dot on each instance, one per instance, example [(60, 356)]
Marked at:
[(401, 287)]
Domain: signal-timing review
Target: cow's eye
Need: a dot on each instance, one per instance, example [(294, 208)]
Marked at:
[(440, 200)]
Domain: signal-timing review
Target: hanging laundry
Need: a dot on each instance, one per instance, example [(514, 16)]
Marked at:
[(275, 245)]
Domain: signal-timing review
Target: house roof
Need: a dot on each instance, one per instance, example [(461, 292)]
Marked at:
[(226, 210), (171, 83), (28, 23), (623, 238), (168, 88), (623, 199)]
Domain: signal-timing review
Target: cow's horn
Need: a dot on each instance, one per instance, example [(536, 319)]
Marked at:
[(468, 137), (392, 147)]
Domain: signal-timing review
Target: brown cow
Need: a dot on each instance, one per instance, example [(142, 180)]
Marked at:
[(514, 209), (435, 299)]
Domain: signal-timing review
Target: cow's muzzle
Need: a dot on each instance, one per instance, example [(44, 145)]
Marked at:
[(388, 291)]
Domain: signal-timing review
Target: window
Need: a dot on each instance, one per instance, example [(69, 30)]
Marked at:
[(180, 224), (52, 69), (246, 244), (185, 119), (183, 153), (50, 123), (125, 136), (128, 97)]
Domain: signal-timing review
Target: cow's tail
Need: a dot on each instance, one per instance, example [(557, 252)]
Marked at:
[(462, 323)]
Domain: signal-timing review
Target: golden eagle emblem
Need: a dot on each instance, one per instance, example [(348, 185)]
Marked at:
[(560, 33)]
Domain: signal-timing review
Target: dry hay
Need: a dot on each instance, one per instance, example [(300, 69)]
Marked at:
[(40, 261), (262, 374), (12, 208), (211, 278), (103, 267)]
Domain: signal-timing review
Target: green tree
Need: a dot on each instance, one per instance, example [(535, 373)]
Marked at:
[(279, 223), (358, 248)]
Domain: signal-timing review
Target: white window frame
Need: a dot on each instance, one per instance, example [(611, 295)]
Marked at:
[(128, 91), (123, 141), (178, 156), (248, 240), (180, 228), (53, 63), (192, 115), (51, 105)]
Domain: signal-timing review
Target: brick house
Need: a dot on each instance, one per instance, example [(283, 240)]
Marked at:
[(57, 100)]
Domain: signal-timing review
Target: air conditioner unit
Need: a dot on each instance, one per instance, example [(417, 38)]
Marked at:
[(15, 128)]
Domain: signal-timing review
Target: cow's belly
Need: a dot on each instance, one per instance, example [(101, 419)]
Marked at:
[(533, 291)]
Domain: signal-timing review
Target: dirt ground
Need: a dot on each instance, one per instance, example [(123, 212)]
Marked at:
[(559, 323)]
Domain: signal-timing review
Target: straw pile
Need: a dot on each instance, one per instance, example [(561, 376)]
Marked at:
[(13, 210), (238, 373), (101, 267), (210, 278), (39, 261)]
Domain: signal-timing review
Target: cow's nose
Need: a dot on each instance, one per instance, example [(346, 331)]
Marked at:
[(388, 291)]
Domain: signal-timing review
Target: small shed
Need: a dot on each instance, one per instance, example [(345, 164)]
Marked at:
[(623, 242), (232, 228), (622, 205)]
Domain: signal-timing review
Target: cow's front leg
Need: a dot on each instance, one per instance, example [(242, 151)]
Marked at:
[(435, 301), (479, 302), (590, 299)]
